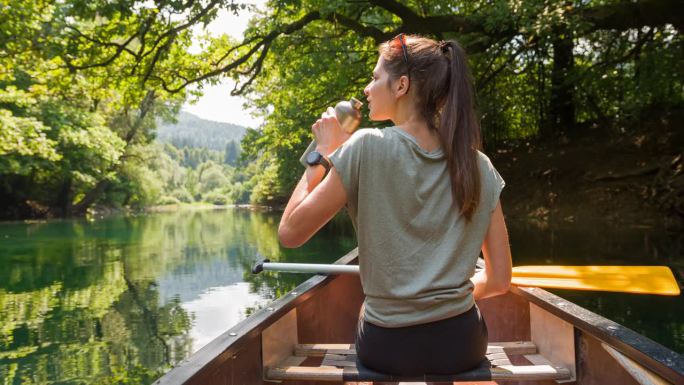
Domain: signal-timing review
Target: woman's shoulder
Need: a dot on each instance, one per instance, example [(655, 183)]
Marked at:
[(483, 159), (487, 169), (485, 164), (370, 132), (367, 136)]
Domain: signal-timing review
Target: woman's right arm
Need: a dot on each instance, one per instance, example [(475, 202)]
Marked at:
[(495, 279)]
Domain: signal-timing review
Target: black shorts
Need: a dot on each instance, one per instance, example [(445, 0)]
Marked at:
[(446, 346)]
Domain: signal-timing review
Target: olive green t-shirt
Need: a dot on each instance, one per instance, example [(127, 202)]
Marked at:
[(416, 252)]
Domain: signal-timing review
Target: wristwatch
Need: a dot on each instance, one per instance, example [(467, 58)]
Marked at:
[(314, 157)]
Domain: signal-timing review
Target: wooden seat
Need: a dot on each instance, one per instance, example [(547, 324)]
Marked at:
[(337, 362)]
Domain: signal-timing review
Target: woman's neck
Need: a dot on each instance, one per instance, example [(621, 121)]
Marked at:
[(417, 127)]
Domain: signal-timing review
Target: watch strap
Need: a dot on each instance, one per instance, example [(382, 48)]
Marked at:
[(326, 164)]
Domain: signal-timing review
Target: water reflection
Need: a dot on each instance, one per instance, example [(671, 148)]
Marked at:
[(121, 300)]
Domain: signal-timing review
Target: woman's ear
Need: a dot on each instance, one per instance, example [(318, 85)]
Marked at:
[(401, 86)]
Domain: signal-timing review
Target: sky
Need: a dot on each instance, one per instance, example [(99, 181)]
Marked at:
[(217, 104)]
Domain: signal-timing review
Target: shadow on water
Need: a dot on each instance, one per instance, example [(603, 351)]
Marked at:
[(660, 318)]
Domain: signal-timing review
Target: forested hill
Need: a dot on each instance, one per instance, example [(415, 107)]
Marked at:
[(193, 131)]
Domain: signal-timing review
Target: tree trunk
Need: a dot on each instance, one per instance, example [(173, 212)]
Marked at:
[(64, 204), (82, 206), (562, 105)]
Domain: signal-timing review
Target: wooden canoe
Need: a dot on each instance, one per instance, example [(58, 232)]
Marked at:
[(319, 318)]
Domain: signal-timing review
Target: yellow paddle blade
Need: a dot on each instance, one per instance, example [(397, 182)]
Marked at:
[(629, 279)]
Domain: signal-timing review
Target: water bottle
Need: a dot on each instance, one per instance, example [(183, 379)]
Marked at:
[(348, 113)]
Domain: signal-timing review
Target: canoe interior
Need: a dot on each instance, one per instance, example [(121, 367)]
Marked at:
[(326, 310)]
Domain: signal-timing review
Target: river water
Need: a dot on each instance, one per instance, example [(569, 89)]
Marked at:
[(122, 299)]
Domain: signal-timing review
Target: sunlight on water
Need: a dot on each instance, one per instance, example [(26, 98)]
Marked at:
[(218, 309)]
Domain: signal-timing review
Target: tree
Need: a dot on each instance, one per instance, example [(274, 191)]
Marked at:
[(232, 153), (542, 68), (83, 124), (538, 66)]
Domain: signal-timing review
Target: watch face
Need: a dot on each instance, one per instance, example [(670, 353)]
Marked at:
[(313, 157)]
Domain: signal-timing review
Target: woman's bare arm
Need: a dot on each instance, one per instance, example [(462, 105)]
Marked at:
[(311, 206), (495, 279), (315, 200)]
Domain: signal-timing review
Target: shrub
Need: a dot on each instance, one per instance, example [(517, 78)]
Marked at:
[(215, 197), (182, 195), (168, 200)]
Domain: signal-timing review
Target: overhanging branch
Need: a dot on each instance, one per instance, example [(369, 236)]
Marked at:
[(264, 45)]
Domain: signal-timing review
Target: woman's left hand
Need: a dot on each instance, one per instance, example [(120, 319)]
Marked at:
[(328, 133)]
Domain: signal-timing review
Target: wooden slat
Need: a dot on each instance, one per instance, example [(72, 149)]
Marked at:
[(529, 372), (306, 373), (537, 359), (512, 348), (501, 362), (339, 357), (342, 363), (320, 350), (497, 356), (346, 361), (498, 359), (499, 373), (642, 375), (339, 362)]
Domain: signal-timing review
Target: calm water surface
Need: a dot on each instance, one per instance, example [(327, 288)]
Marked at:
[(121, 300)]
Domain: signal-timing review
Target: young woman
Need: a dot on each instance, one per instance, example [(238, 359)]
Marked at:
[(424, 202)]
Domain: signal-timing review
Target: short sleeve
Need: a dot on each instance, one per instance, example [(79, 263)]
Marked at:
[(499, 184), (493, 183), (347, 161)]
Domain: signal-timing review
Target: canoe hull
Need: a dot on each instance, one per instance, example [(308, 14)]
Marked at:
[(326, 310)]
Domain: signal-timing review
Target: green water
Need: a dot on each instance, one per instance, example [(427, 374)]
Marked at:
[(124, 299), (121, 300)]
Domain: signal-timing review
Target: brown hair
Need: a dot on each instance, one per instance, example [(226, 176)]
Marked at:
[(442, 87)]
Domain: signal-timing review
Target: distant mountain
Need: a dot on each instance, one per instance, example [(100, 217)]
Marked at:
[(193, 131)]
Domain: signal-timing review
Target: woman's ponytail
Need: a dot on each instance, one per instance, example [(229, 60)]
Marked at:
[(443, 92), (459, 130)]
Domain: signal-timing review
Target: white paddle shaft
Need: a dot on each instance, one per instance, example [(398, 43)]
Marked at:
[(315, 268)]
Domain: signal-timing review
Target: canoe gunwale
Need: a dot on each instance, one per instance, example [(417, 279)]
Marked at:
[(656, 357), (223, 347)]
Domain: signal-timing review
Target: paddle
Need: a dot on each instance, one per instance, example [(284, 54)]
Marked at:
[(627, 279)]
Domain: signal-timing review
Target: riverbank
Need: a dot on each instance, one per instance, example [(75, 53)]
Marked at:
[(629, 177), (204, 206), (634, 178), (105, 211)]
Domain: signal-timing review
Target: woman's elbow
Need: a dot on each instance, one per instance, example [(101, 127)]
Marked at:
[(502, 287), (498, 284), (503, 283), (288, 238)]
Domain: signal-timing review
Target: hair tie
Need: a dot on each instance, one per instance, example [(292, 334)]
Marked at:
[(444, 46)]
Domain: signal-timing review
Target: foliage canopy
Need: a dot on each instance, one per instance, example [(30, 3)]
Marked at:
[(546, 68)]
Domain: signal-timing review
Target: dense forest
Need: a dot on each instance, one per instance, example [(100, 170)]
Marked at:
[(191, 131), (83, 85), (197, 161)]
